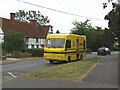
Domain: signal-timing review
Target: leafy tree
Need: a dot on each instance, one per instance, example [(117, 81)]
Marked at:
[(13, 41), (57, 31), (95, 35), (26, 16), (81, 27), (114, 22), (0, 49)]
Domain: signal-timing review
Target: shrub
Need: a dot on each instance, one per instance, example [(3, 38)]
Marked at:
[(36, 52), (89, 50), (13, 42), (15, 54), (116, 48), (4, 52)]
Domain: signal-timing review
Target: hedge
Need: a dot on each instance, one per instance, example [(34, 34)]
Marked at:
[(36, 52)]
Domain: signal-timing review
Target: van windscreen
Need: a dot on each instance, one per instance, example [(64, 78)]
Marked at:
[(55, 43)]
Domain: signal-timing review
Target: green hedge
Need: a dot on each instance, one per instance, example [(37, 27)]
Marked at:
[(25, 53), (36, 52), (89, 50)]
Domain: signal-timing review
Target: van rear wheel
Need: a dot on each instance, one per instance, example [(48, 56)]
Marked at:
[(69, 59), (51, 61), (81, 57)]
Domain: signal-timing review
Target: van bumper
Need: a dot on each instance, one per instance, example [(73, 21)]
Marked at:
[(56, 57)]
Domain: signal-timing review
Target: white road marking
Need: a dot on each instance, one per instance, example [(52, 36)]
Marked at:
[(11, 74), (7, 77)]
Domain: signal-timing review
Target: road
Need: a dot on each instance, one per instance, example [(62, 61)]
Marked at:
[(20, 67), (11, 72)]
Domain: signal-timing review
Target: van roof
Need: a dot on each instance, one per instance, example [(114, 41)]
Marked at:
[(66, 34)]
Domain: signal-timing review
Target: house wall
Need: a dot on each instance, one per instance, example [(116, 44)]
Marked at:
[(50, 31), (1, 35), (1, 32), (34, 43), (0, 22)]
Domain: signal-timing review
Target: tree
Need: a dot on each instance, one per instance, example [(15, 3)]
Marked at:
[(81, 27), (95, 35), (114, 22), (13, 41), (57, 31), (26, 16)]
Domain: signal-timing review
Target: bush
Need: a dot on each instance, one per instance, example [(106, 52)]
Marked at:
[(13, 42), (4, 52), (17, 54), (89, 50), (116, 48), (36, 52), (26, 53)]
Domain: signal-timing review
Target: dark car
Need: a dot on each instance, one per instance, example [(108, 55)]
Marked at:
[(103, 51)]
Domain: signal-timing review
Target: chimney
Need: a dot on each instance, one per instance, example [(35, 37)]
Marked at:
[(12, 16), (33, 22)]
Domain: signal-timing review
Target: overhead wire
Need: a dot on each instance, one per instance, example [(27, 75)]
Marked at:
[(59, 10)]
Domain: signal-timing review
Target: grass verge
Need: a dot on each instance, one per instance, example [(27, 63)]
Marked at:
[(31, 58), (4, 61), (74, 71)]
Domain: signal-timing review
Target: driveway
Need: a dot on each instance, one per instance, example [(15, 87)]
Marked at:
[(105, 75)]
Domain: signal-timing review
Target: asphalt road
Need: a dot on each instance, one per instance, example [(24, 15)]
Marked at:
[(19, 67), (104, 75)]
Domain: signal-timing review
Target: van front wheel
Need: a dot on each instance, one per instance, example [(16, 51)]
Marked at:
[(51, 61), (81, 57)]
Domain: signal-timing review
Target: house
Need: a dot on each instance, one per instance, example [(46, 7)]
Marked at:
[(34, 35)]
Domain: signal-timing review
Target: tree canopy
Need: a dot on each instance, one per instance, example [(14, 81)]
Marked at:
[(96, 36), (114, 22), (13, 41), (26, 16)]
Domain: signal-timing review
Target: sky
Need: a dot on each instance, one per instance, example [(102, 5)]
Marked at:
[(86, 9)]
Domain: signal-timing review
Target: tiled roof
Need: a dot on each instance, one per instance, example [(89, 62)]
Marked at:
[(44, 30), (27, 29)]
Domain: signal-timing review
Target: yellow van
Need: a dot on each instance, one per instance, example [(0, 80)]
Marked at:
[(64, 47)]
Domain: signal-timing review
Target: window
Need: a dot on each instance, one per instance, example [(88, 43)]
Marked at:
[(42, 41), (68, 43), (55, 43), (84, 45), (26, 40), (73, 43), (37, 46), (77, 44), (36, 40), (32, 46), (26, 46)]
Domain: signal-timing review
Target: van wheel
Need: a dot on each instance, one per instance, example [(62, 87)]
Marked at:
[(81, 57), (98, 54), (69, 59), (51, 61)]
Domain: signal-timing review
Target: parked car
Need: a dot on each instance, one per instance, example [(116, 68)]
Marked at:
[(103, 51)]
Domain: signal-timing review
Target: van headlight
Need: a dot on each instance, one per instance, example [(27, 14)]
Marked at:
[(53, 57), (45, 56)]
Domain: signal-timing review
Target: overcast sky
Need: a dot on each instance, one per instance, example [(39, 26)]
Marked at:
[(59, 21)]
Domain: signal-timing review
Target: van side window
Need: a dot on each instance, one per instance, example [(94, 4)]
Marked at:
[(68, 43), (84, 45)]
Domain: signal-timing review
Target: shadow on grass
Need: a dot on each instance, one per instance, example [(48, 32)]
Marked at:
[(64, 62)]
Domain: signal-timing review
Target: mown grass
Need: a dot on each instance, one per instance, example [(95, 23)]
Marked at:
[(4, 61), (74, 71)]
